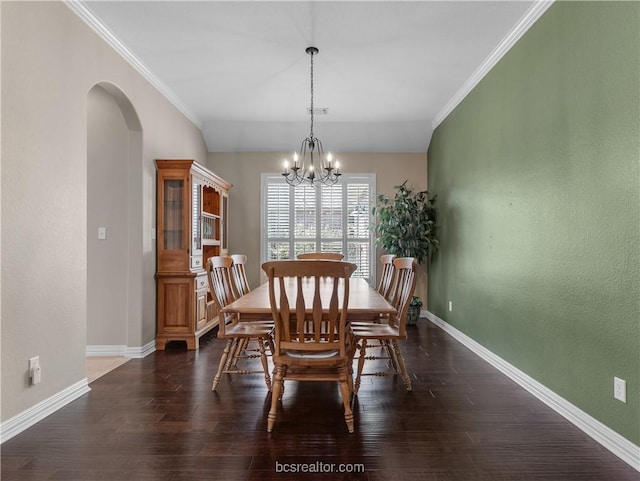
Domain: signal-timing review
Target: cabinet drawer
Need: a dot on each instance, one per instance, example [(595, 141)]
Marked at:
[(196, 261), (201, 282)]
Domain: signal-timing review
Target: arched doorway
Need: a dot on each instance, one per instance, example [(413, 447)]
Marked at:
[(114, 257)]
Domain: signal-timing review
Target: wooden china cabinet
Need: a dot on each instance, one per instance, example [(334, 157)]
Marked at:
[(192, 206)]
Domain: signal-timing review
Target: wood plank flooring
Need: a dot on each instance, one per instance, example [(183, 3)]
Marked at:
[(156, 419)]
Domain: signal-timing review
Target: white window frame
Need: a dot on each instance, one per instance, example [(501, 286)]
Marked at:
[(271, 178)]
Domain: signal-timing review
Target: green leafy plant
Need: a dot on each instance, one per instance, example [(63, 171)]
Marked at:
[(406, 224), (406, 227)]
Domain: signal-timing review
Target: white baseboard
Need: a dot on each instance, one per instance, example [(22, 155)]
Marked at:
[(121, 350), (142, 351), (607, 437), (15, 425), (18, 423), (107, 350)]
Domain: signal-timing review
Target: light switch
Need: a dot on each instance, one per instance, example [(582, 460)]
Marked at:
[(102, 233)]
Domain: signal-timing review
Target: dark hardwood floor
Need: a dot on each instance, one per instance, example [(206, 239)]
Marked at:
[(157, 419)]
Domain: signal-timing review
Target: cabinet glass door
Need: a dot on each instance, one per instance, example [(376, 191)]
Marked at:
[(196, 221), (173, 222)]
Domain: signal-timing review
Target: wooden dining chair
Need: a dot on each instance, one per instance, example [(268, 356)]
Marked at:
[(385, 288), (310, 326), (233, 329), (391, 329), (239, 274), (328, 256)]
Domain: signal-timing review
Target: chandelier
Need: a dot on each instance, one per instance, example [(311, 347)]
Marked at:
[(325, 171)]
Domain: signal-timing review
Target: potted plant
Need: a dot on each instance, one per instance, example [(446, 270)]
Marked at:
[(406, 227)]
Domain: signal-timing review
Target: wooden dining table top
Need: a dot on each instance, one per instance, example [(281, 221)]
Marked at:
[(364, 301)]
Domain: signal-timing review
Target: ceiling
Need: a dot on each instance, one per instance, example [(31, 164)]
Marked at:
[(387, 71)]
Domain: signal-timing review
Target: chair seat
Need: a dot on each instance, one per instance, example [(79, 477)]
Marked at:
[(377, 331), (381, 319), (252, 329), (311, 355), (303, 372), (312, 359)]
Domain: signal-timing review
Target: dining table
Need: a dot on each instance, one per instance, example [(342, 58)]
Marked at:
[(365, 302)]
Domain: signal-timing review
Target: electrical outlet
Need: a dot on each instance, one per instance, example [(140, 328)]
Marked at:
[(450, 306), (620, 389), (35, 372)]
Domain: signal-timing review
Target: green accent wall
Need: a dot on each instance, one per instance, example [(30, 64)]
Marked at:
[(537, 176)]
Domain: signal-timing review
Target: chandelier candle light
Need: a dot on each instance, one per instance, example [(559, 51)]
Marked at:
[(327, 171)]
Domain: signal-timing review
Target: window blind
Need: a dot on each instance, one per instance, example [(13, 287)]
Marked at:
[(306, 218)]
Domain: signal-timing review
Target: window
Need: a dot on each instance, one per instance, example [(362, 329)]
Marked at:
[(333, 218)]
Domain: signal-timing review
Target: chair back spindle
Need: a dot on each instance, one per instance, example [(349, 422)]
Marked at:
[(386, 279)]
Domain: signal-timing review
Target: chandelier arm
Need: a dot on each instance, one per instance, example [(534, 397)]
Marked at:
[(320, 153)]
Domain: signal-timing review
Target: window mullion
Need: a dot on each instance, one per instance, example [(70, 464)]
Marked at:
[(292, 220), (318, 219), (345, 217)]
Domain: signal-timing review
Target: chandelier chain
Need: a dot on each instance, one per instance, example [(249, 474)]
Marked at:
[(311, 94)]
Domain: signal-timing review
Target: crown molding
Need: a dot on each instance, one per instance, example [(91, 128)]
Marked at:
[(528, 19), (97, 26)]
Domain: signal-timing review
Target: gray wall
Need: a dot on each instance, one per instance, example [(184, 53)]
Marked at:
[(50, 61)]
